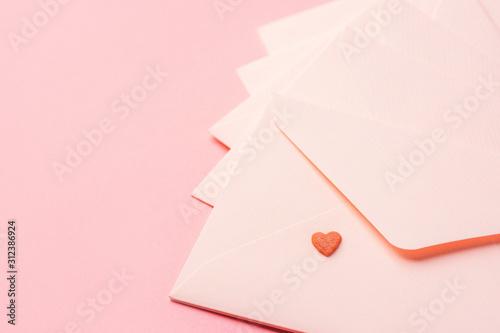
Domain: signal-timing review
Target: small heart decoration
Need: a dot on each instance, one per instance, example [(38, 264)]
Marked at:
[(326, 244)]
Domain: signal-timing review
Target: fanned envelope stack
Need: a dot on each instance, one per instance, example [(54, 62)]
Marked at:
[(361, 192)]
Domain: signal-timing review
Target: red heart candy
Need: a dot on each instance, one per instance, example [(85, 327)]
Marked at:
[(326, 244)]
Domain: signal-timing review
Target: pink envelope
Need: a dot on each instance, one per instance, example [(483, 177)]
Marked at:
[(267, 75), (414, 199), (492, 7), (325, 82), (258, 75), (245, 116), (426, 145), (418, 190), (254, 259), (466, 19), (297, 28)]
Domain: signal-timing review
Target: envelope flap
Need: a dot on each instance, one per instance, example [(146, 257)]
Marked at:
[(417, 190)]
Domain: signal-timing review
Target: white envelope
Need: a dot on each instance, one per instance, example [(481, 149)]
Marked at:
[(254, 259)]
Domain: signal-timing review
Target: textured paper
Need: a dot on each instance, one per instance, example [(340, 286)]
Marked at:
[(248, 248)]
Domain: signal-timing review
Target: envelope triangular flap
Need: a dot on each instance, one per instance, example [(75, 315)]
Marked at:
[(451, 196)]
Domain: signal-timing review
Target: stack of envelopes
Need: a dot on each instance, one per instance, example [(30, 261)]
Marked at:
[(375, 126)]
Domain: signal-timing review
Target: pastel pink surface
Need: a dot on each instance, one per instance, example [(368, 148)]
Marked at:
[(121, 207)]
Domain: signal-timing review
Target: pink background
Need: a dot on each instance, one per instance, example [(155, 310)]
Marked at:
[(120, 208)]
